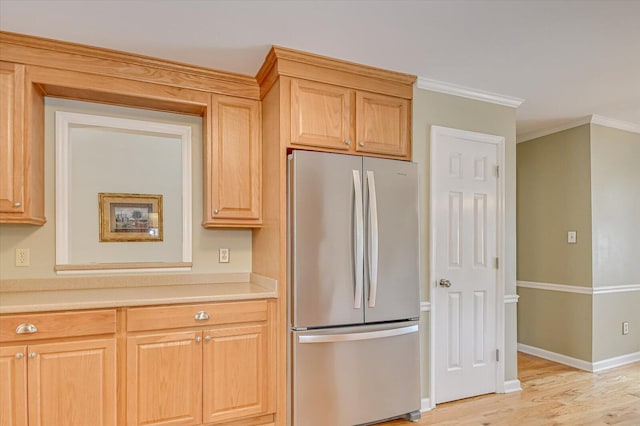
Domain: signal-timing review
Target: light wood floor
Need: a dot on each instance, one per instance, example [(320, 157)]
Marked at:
[(552, 394)]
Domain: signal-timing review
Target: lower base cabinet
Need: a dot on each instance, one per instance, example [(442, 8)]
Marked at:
[(66, 383), (214, 374)]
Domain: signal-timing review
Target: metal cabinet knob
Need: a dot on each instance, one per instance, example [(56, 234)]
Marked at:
[(445, 283), (201, 316), (19, 355), (348, 142), (198, 339), (216, 211), (17, 204), (26, 329), (32, 355), (207, 338), (361, 143)]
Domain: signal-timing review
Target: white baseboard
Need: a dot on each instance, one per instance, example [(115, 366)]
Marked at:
[(512, 386), (616, 362), (579, 363), (425, 405)]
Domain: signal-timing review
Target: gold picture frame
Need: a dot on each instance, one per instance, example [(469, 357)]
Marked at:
[(130, 217)]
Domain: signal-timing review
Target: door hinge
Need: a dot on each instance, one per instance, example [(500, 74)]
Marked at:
[(497, 263), (497, 355), (498, 171)]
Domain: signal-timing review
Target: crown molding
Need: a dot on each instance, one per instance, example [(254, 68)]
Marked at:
[(615, 124), (468, 92), (589, 119)]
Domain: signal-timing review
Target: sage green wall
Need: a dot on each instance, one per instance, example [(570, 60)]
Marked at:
[(554, 196), (434, 108), (583, 179), (615, 177), (41, 239), (609, 311), (556, 321)]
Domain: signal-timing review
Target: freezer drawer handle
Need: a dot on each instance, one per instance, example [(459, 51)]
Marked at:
[(350, 337), (359, 240)]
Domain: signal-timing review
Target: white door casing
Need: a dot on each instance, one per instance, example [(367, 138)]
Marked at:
[(467, 327)]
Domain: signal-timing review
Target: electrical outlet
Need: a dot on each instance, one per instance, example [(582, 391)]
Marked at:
[(625, 328), (572, 237), (22, 257), (223, 255)]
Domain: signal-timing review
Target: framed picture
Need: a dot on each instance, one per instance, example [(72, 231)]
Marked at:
[(130, 217)]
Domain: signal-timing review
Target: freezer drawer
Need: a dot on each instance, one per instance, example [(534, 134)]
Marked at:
[(354, 375)]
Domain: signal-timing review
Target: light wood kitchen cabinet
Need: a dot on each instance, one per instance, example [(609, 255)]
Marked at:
[(66, 381), (320, 115), (382, 124), (164, 378), (332, 117), (21, 147), (13, 386), (233, 163), (218, 369)]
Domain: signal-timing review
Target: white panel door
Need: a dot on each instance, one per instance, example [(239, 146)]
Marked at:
[(465, 198)]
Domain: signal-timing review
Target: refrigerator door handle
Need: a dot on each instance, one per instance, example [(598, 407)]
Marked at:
[(359, 240), (373, 239), (350, 337)]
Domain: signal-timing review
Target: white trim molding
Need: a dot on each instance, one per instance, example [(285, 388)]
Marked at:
[(512, 386), (589, 119), (425, 405), (468, 92), (425, 306), (615, 124), (511, 298), (579, 289), (592, 367), (64, 122)]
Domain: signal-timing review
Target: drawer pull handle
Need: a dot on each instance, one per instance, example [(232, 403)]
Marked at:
[(26, 329), (201, 316), (17, 204)]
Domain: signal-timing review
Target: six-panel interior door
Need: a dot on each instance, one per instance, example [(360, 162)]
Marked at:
[(465, 226)]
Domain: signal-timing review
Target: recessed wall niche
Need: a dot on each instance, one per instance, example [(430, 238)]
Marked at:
[(101, 154)]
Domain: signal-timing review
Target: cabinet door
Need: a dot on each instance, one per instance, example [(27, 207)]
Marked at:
[(164, 379), (320, 115), (382, 124), (235, 371), (72, 383), (233, 163), (12, 165), (13, 386)]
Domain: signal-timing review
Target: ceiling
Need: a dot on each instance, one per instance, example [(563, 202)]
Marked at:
[(567, 59)]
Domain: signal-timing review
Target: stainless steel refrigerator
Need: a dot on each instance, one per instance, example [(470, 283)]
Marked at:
[(353, 349)]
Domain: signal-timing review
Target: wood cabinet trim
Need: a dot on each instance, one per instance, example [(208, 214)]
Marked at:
[(293, 63), (76, 57)]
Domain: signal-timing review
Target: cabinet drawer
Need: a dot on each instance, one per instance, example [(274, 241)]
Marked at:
[(55, 325), (178, 316)]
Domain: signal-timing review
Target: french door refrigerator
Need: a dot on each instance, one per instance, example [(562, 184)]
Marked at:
[(353, 308)]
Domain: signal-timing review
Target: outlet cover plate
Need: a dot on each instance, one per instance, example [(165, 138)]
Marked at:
[(223, 255)]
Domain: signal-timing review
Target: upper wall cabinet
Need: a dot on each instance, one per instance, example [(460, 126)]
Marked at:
[(326, 116), (21, 147), (232, 164), (331, 105)]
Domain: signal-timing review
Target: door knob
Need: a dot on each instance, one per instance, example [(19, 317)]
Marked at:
[(445, 283)]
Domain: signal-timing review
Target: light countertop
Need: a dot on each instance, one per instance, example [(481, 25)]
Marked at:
[(38, 298)]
